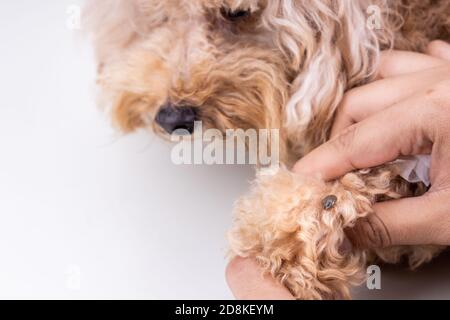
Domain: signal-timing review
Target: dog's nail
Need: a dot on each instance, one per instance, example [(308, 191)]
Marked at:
[(329, 202)]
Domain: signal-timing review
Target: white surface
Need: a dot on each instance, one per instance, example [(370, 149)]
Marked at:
[(86, 213)]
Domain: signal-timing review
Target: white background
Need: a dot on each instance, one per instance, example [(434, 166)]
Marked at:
[(88, 213)]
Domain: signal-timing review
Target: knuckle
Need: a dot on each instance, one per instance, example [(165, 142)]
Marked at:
[(347, 104), (440, 90), (438, 98), (439, 49), (345, 140), (369, 233), (434, 47)]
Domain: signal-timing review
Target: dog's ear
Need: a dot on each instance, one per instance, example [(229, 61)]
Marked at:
[(332, 46)]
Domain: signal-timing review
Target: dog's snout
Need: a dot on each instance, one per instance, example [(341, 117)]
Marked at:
[(172, 118)]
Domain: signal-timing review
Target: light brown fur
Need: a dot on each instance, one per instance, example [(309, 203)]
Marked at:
[(282, 222), (286, 67)]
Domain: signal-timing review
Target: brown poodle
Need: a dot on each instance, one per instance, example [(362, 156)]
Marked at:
[(268, 64)]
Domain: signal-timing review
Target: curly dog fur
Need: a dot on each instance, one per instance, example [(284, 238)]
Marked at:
[(285, 64), (283, 223)]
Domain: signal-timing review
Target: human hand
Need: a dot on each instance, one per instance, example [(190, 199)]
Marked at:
[(406, 112), (403, 114)]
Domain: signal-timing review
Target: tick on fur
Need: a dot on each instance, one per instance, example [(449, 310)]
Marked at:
[(329, 202)]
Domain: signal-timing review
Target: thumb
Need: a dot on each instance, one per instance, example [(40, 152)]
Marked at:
[(412, 221)]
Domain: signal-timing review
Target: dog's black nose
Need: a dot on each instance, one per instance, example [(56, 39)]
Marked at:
[(172, 118)]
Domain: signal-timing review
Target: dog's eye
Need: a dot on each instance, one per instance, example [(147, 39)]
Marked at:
[(235, 15)]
